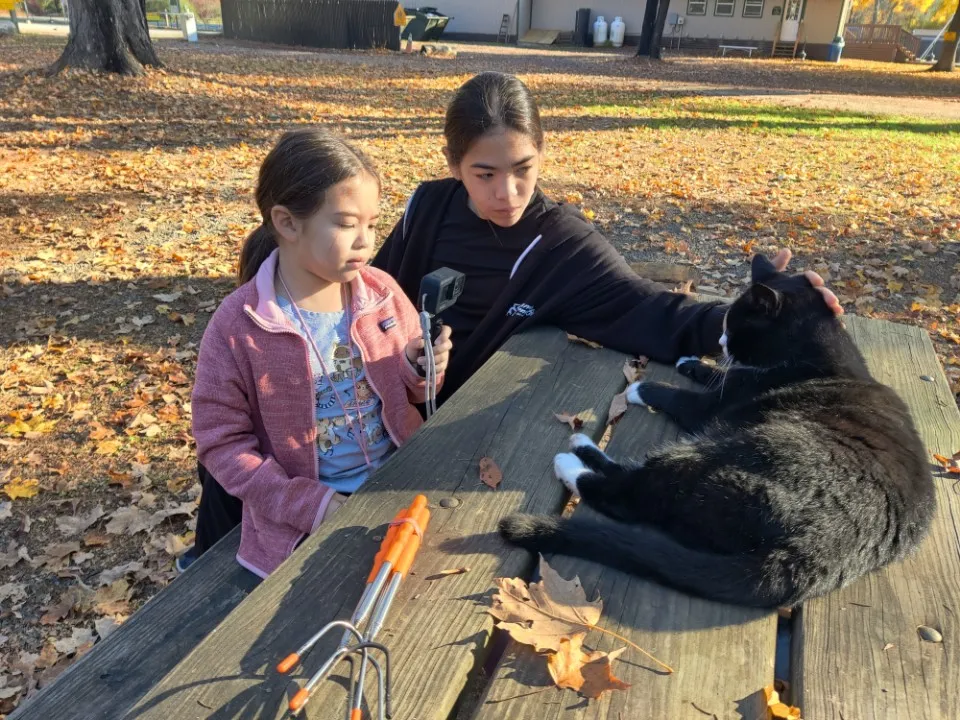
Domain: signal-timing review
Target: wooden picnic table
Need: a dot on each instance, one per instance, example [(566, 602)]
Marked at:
[(854, 654)]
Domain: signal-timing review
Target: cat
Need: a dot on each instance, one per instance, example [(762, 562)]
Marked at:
[(804, 473)]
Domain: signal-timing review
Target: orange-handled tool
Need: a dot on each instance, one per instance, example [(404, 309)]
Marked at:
[(375, 581), (404, 561)]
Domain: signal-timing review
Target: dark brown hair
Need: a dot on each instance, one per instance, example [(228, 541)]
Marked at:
[(487, 102), (296, 174)]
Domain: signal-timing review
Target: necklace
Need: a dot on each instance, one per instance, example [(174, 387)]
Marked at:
[(358, 428)]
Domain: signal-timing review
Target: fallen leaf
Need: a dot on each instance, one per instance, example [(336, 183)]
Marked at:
[(574, 421), (79, 638), (113, 598), (20, 488), (108, 577), (542, 614), (490, 474), (618, 406), (175, 545), (633, 368), (452, 571), (71, 525), (582, 341), (598, 674), (565, 664), (778, 710), (107, 447), (6, 509), (11, 556), (96, 539), (129, 520), (14, 592), (168, 297), (105, 626)]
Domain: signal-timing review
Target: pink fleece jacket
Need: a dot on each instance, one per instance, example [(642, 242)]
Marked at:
[(253, 407)]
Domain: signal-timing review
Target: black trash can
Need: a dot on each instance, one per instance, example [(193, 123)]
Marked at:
[(582, 37), (425, 24)]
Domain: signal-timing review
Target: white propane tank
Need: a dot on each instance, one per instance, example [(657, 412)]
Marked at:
[(617, 30), (599, 31)]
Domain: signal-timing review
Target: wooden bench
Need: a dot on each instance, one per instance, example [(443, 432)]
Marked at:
[(748, 49), (855, 654), (106, 682)]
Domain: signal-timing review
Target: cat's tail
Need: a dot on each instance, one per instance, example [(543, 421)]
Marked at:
[(743, 579)]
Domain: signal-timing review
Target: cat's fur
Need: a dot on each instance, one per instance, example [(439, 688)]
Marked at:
[(804, 472)]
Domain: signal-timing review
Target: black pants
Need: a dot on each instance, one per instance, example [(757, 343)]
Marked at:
[(219, 512)]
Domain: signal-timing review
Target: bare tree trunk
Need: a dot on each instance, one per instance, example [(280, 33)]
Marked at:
[(646, 30), (661, 23), (948, 58), (108, 35)]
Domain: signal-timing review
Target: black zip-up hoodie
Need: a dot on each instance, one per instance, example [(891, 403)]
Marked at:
[(571, 278)]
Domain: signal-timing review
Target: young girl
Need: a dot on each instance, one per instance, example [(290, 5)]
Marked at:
[(529, 260), (306, 378)]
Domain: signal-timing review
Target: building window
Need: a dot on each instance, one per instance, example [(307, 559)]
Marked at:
[(724, 8), (696, 7), (752, 8)]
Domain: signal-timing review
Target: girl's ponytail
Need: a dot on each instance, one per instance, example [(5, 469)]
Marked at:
[(256, 248)]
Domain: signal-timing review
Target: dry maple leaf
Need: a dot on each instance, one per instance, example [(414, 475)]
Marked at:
[(490, 474), (598, 675), (588, 673), (544, 613), (777, 710), (618, 406), (574, 421)]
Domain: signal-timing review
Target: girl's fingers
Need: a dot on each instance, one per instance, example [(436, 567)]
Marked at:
[(782, 259)]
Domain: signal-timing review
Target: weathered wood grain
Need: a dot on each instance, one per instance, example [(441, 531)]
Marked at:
[(438, 630), (840, 667), (118, 672), (723, 655)]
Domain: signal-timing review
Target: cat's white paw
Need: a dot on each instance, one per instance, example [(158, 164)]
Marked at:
[(568, 467), (633, 394), (686, 359), (579, 440)]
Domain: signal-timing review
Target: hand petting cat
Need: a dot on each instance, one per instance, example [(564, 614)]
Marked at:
[(781, 261)]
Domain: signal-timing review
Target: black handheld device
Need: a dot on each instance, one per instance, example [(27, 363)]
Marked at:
[(438, 291)]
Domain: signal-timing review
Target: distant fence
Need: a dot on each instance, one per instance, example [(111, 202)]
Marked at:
[(354, 24)]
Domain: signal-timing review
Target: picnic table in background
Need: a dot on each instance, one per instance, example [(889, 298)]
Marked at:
[(853, 654)]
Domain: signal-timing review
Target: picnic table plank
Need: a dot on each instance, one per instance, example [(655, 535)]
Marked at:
[(840, 666), (437, 630), (145, 648), (723, 655)]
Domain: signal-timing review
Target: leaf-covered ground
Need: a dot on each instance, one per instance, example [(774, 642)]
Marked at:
[(123, 203)]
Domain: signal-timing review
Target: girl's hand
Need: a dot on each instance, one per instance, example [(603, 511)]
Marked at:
[(780, 263), (335, 503), (441, 350)]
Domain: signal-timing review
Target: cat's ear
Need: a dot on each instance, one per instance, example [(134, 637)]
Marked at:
[(765, 299), (761, 268)]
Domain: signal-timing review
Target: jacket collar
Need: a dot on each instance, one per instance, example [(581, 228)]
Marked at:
[(366, 293)]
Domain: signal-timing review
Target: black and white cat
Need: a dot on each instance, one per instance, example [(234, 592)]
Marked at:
[(804, 472)]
